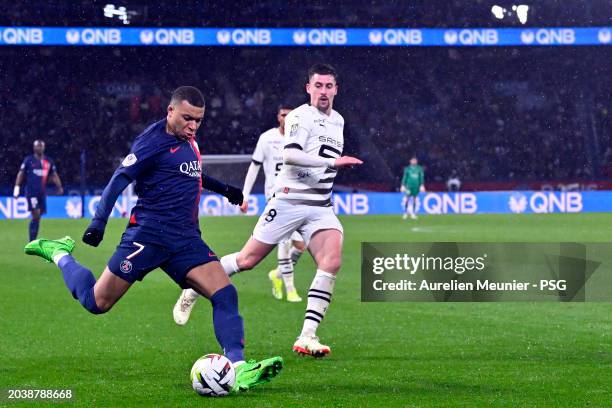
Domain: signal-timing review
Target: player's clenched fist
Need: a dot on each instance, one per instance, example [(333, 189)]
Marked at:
[(94, 233), (244, 207), (347, 161)]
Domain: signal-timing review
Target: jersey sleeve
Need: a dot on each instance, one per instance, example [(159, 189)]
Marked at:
[(141, 158), (259, 155), (52, 168), (24, 164), (299, 126)]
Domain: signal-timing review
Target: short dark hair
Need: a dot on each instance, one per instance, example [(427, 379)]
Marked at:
[(190, 94), (286, 106), (322, 69)]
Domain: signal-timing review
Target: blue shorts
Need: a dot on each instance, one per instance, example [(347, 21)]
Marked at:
[(133, 260), (37, 202)]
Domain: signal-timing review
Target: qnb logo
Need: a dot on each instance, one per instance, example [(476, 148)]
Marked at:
[(475, 37), (472, 37), (21, 36), (570, 202), (517, 203), (549, 36), (604, 35), (94, 36), (167, 36), (450, 37), (462, 203), (192, 168), (320, 37), (244, 37), (396, 37)]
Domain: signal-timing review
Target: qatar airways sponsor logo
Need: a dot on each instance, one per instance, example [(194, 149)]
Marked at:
[(192, 168)]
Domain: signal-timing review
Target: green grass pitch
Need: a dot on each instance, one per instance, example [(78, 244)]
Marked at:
[(383, 354)]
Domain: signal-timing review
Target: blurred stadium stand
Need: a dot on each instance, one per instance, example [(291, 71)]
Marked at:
[(511, 115)]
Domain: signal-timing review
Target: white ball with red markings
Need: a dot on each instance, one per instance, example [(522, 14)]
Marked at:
[(213, 375)]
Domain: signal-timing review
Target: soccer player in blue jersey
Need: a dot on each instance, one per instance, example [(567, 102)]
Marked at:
[(36, 169), (163, 232)]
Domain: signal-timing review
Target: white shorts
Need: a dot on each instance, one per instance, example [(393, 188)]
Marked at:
[(280, 219)]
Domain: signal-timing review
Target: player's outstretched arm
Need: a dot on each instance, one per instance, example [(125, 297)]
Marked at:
[(95, 232), (347, 161), (233, 194)]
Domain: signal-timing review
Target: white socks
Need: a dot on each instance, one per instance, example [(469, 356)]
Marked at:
[(295, 254), (229, 264), (319, 296), (285, 266), (59, 256)]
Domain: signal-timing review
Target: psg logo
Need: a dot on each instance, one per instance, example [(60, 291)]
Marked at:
[(125, 266)]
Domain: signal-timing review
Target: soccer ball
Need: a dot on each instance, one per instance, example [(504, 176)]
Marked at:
[(213, 375)]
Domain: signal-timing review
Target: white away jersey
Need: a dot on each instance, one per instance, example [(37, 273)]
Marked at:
[(310, 130), (269, 154)]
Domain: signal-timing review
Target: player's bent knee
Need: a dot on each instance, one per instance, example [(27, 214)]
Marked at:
[(248, 262), (330, 264)]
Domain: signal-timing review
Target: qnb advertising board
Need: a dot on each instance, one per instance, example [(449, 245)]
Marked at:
[(105, 36), (509, 202)]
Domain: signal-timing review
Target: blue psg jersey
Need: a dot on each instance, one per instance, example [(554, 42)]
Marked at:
[(37, 172), (168, 176)]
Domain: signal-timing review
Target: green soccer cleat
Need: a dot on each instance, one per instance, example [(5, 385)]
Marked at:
[(252, 373), (48, 248)]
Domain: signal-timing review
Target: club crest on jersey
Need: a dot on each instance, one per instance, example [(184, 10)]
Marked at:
[(129, 160), (192, 168), (294, 130), (125, 266)]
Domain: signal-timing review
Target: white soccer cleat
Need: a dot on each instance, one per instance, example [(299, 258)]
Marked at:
[(413, 216), (405, 216), (310, 346), (183, 307)]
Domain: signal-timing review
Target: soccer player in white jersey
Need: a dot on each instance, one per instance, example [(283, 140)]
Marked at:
[(269, 154), (302, 200)]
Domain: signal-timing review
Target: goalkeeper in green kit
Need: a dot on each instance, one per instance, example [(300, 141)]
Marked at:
[(413, 183)]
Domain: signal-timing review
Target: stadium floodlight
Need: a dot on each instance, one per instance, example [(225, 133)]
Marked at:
[(110, 11), (498, 12), (521, 12)]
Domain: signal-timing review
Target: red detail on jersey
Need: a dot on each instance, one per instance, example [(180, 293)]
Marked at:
[(197, 153), (133, 219), (174, 149), (211, 254), (45, 172), (286, 190)]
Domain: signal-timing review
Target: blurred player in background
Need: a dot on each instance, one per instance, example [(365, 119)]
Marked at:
[(413, 183), (36, 169), (269, 154), (163, 231), (302, 201)]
